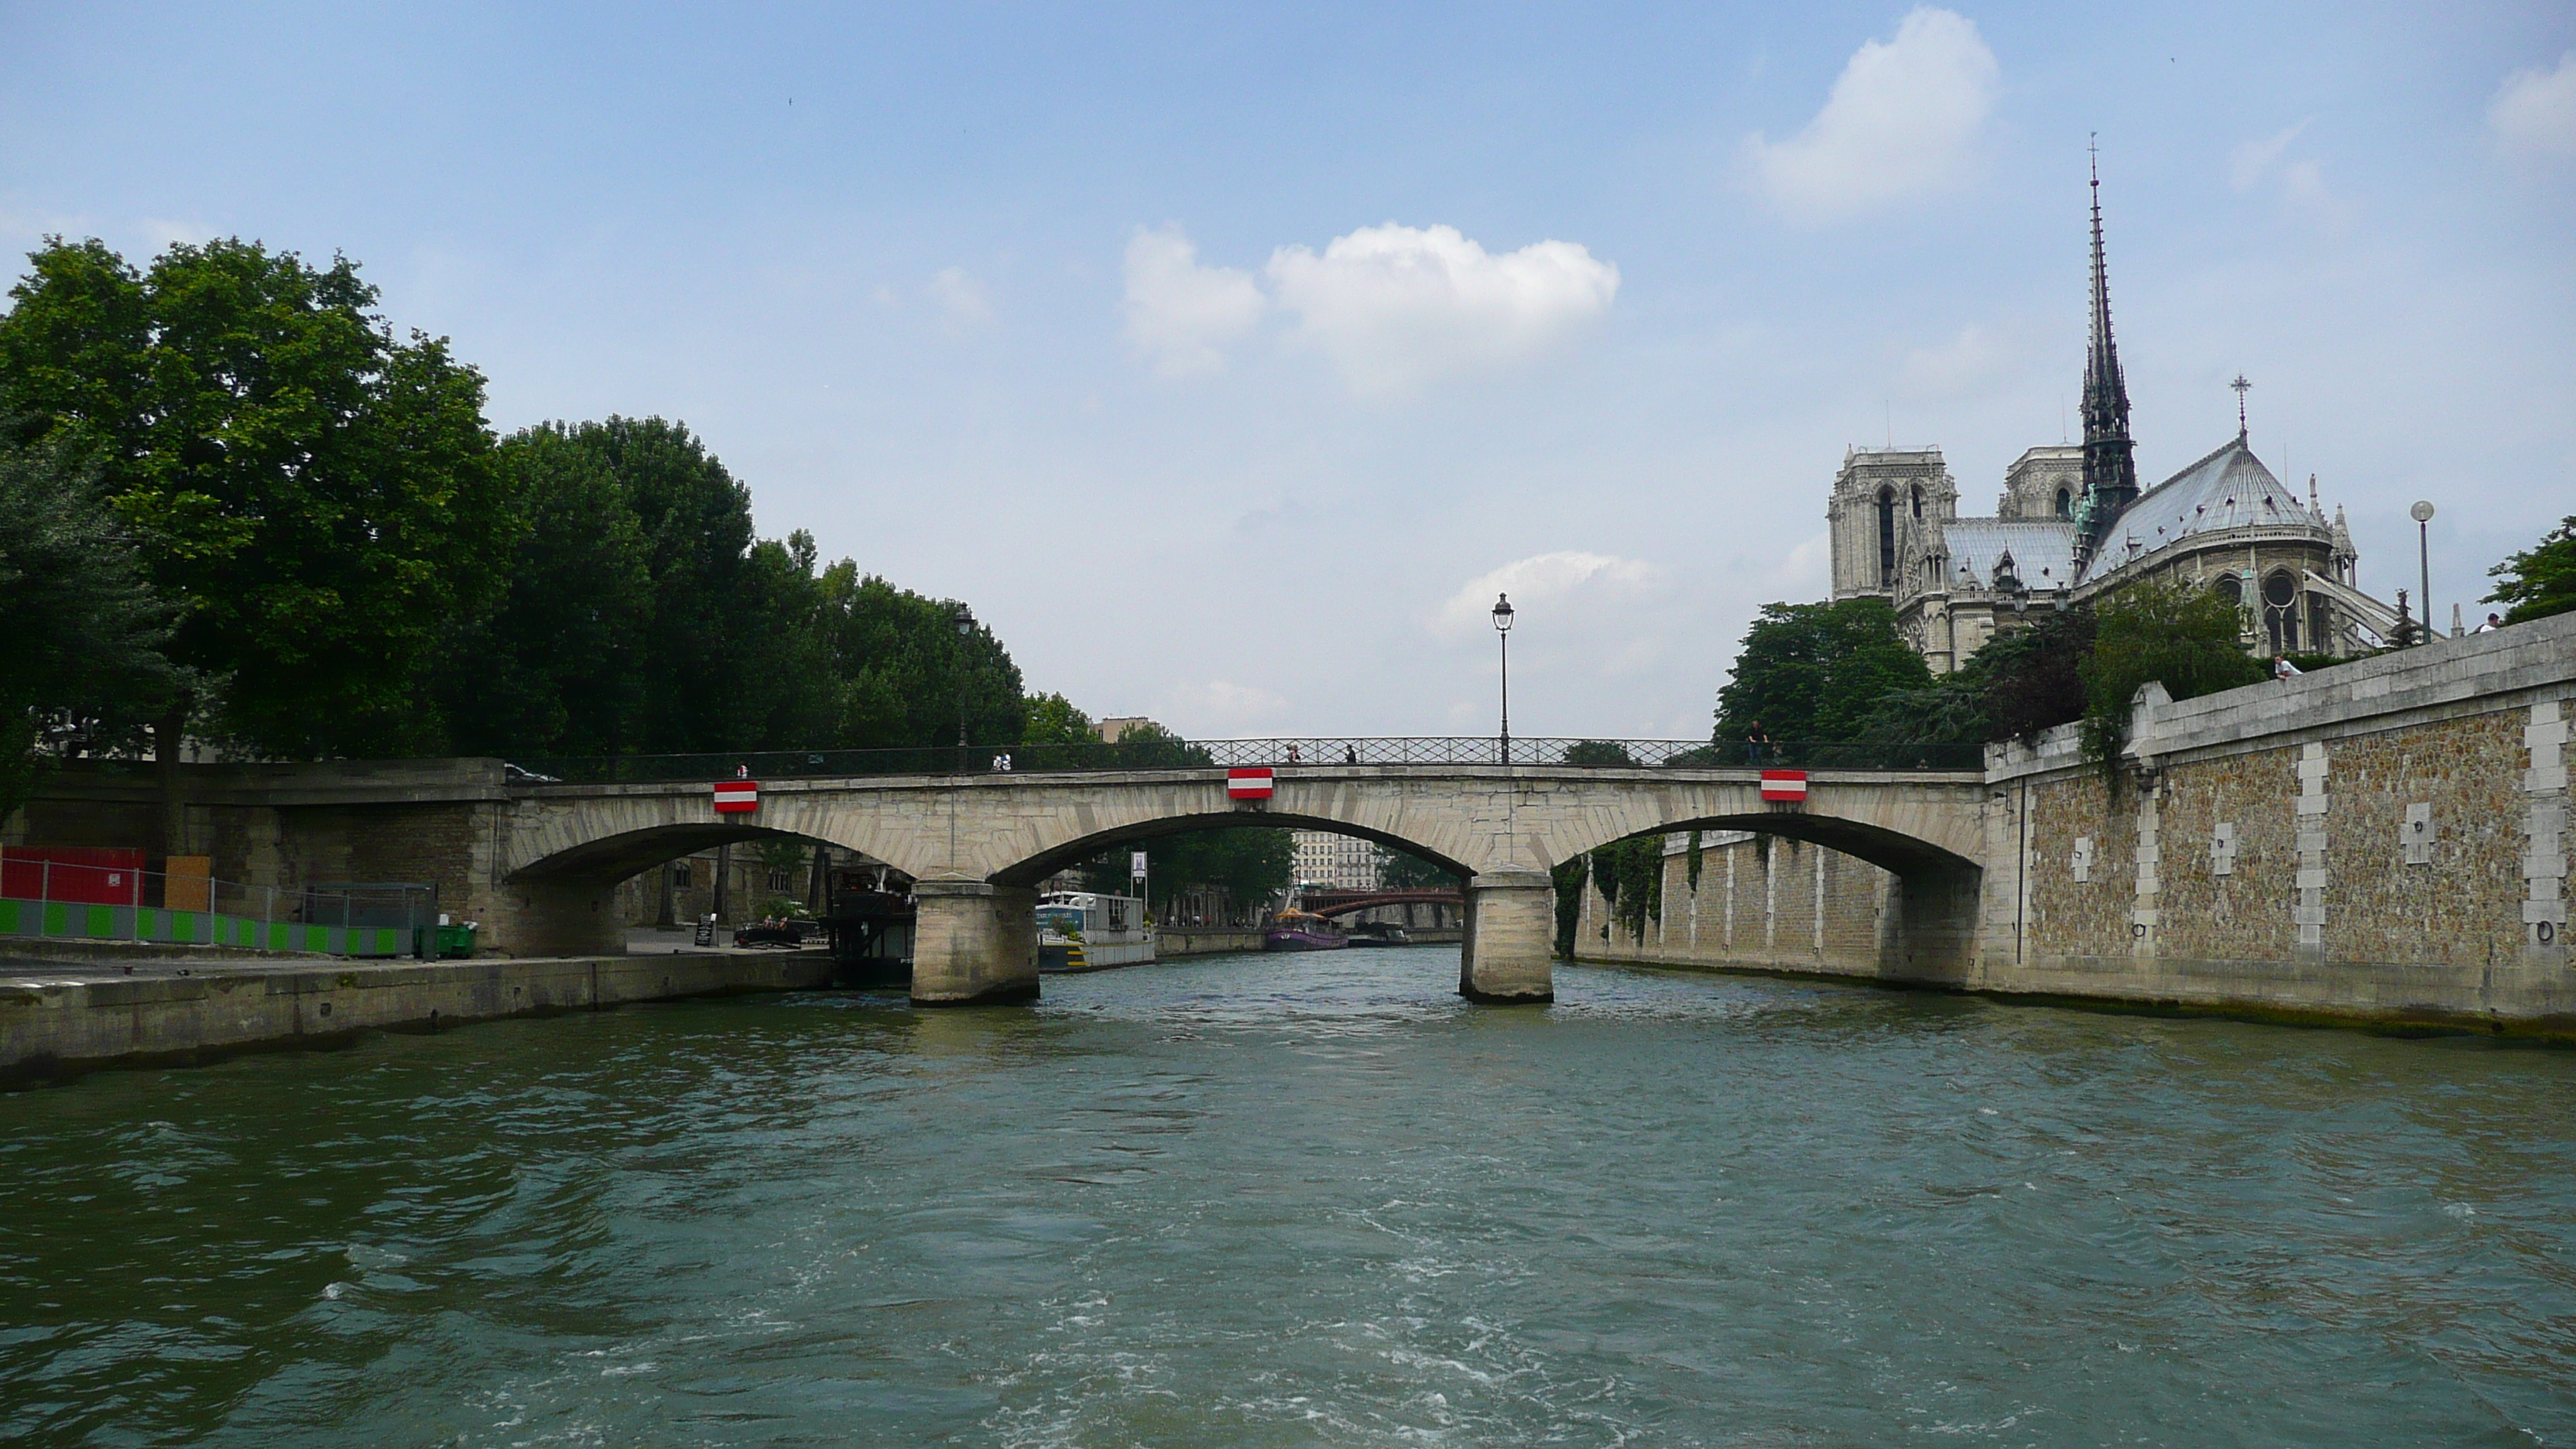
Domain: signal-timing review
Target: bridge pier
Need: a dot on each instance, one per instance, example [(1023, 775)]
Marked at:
[(1510, 938), (974, 944)]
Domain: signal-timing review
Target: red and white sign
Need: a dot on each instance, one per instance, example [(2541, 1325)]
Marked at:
[(737, 797), (1784, 784), (1248, 784)]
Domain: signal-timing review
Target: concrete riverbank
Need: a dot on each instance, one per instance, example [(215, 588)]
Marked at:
[(1172, 941), (58, 1019)]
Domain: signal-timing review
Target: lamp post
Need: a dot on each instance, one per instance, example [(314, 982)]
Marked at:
[(1503, 635), (964, 619), (2422, 513)]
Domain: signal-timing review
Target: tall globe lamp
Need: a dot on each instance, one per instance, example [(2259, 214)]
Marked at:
[(2422, 513), (1503, 635), (964, 620)]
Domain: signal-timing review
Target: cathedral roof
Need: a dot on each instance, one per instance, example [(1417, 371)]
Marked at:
[(2042, 549), (2230, 488)]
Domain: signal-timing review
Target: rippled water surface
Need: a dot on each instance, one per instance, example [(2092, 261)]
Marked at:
[(1304, 1200)]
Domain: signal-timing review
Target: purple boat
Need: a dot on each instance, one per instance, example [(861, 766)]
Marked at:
[(1303, 931)]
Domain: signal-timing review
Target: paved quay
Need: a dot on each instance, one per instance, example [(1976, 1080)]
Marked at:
[(60, 1017)]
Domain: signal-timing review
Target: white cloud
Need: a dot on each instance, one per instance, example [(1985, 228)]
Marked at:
[(1803, 571), (1967, 365), (962, 296), (1903, 120), (2535, 110), (167, 234), (1178, 312), (1538, 581), (1394, 306), (2304, 191), (1218, 705), (2248, 163)]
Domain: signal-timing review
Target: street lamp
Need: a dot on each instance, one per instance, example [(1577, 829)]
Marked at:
[(1503, 635), (2422, 513), (964, 619)]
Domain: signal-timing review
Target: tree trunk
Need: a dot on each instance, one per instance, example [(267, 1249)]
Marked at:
[(167, 828)]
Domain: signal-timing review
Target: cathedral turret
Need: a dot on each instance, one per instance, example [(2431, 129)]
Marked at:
[(2110, 469)]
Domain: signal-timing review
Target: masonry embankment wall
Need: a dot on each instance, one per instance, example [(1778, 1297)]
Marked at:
[(2380, 843), (1759, 903), (51, 1025), (1171, 941)]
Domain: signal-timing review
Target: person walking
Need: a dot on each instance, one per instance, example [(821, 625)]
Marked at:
[(1757, 744)]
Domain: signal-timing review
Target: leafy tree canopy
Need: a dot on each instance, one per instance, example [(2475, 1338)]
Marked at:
[(2021, 681), (1253, 863), (2540, 580), (314, 497), (1598, 752), (904, 665), (1398, 870), (84, 669), (1816, 672), (2191, 640), (557, 669)]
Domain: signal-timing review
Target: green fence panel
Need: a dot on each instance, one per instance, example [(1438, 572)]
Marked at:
[(127, 923)]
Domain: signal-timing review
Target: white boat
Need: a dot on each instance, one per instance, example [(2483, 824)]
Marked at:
[(1080, 931)]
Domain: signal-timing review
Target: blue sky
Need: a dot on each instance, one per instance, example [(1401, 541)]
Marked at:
[(1228, 361)]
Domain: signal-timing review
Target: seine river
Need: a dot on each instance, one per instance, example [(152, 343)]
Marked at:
[(1304, 1201)]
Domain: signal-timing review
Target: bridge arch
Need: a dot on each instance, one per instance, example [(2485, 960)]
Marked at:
[(607, 860), (1930, 931), (1073, 852)]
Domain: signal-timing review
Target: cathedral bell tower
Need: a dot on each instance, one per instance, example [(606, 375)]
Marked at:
[(2110, 469)]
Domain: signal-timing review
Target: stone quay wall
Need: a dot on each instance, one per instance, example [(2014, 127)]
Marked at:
[(55, 1024), (2381, 842)]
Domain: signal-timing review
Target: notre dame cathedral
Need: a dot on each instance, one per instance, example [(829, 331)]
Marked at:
[(2072, 525)]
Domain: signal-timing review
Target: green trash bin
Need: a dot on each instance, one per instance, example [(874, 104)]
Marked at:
[(455, 942)]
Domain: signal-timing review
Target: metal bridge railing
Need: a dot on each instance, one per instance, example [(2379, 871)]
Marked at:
[(1172, 754)]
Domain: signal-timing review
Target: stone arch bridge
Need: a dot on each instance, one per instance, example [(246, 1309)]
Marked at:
[(977, 845)]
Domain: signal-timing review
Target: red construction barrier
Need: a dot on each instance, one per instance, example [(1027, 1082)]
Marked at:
[(89, 875)]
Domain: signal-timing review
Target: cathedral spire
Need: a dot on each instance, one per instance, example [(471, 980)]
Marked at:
[(2110, 470)]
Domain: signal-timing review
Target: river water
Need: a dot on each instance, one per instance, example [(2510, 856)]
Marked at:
[(1304, 1200)]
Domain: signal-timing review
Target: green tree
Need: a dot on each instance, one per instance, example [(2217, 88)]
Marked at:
[(1403, 871), (1569, 878), (1058, 736), (2540, 580), (901, 662), (84, 669), (737, 655), (314, 497), (1253, 863), (2190, 640), (558, 668), (1149, 746), (1816, 672), (1598, 752), (2022, 681), (1630, 875)]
